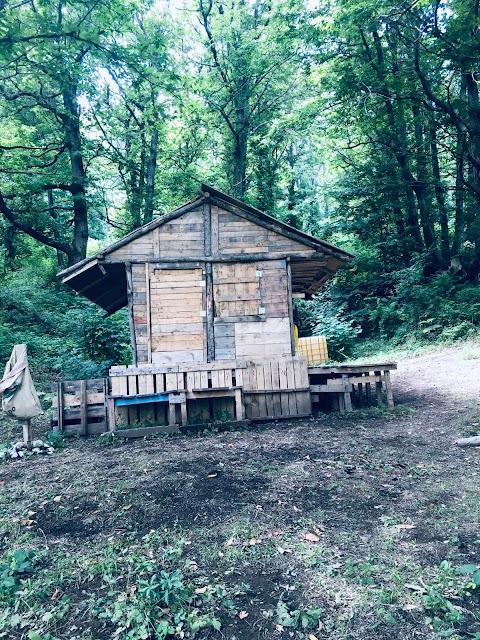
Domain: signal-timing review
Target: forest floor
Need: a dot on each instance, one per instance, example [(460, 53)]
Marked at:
[(343, 527)]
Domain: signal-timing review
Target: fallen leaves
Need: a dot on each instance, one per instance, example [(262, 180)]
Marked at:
[(405, 526), (57, 498), (311, 537), (242, 615), (212, 475), (127, 507), (201, 590)]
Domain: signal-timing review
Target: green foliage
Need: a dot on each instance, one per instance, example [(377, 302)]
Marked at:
[(325, 315), (296, 618), (442, 596), (66, 336), (17, 566), (55, 439), (158, 602)]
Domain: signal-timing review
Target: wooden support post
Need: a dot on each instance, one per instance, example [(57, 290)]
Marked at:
[(388, 389), (207, 224), (60, 425), (83, 408), (27, 432), (111, 414), (210, 313), (346, 394), (378, 388), (149, 315), (172, 419), (239, 412), (290, 305), (207, 243), (368, 391), (183, 409), (131, 319)]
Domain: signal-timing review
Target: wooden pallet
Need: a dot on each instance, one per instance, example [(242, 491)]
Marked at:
[(80, 406), (345, 386), (180, 394), (277, 389)]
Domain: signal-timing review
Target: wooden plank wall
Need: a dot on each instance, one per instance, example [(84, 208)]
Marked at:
[(182, 236), (251, 310), (237, 235), (178, 325), (277, 388), (82, 407), (250, 314)]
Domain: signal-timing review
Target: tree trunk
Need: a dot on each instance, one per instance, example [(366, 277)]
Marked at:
[(9, 243), (420, 185), (398, 137), (56, 235), (459, 233), (239, 165), (439, 195), (71, 121), (472, 80), (150, 184)]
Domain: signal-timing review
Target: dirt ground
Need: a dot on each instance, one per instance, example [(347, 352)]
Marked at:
[(351, 514)]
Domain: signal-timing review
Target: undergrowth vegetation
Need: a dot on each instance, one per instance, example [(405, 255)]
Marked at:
[(67, 336), (362, 311)]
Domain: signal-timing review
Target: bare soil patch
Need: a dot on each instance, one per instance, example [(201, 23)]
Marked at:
[(387, 495)]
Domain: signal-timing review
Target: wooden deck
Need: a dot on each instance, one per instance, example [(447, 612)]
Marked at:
[(346, 385)]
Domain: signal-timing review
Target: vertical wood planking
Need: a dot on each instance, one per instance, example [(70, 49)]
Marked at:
[(131, 317), (83, 408), (292, 397), (388, 389), (283, 384), (210, 309), (378, 390), (346, 395), (290, 305), (263, 405), (60, 406), (149, 314)]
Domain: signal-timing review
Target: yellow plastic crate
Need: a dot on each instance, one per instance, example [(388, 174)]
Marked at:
[(314, 349)]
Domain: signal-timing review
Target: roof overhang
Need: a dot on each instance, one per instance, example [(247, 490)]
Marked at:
[(103, 284)]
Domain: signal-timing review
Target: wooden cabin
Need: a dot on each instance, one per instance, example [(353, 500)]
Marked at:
[(209, 288)]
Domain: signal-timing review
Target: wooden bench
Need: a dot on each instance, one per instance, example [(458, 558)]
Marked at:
[(191, 386), (343, 381)]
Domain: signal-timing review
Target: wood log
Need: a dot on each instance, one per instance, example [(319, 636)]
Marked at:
[(473, 441)]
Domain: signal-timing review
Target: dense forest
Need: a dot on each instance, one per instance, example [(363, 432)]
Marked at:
[(355, 121)]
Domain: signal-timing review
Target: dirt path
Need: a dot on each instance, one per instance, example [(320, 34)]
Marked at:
[(451, 375), (390, 505)]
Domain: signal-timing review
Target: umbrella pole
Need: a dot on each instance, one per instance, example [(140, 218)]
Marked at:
[(27, 432)]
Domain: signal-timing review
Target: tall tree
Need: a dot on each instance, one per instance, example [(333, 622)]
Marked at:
[(48, 55), (249, 71)]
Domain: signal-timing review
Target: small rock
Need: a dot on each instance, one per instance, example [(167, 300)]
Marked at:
[(36, 450), (19, 445), (38, 443)]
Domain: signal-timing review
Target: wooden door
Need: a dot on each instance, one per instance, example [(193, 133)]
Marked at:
[(178, 315)]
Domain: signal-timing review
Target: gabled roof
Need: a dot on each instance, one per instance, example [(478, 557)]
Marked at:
[(105, 283)]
